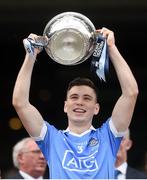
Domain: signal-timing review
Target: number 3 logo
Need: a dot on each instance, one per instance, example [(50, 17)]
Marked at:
[(80, 149)]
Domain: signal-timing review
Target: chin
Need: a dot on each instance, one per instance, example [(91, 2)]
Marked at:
[(78, 119), (41, 169)]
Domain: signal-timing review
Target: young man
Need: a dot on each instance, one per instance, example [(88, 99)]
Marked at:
[(80, 151)]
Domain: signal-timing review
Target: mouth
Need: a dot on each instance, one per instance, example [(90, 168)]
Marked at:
[(42, 164), (42, 161), (79, 110)]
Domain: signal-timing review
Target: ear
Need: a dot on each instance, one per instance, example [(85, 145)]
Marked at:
[(20, 158), (65, 106), (129, 144), (97, 108)]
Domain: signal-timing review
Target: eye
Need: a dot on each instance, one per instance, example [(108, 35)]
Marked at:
[(74, 97), (87, 98)]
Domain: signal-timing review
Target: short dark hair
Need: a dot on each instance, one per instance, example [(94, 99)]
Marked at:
[(79, 81)]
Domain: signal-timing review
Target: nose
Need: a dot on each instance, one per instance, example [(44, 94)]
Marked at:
[(41, 155), (80, 101)]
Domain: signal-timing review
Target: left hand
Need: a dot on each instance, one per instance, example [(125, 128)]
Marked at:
[(109, 36)]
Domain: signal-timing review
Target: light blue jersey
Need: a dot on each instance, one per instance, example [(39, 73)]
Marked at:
[(90, 155)]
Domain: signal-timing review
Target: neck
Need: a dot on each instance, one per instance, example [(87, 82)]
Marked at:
[(119, 162), (78, 128)]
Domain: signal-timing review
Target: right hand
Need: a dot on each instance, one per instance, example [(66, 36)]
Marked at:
[(31, 50)]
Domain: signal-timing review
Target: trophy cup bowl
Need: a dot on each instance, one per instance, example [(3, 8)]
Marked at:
[(71, 38)]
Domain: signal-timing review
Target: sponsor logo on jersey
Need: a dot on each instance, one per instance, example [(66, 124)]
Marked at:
[(82, 164)]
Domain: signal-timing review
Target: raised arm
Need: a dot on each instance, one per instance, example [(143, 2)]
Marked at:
[(124, 107), (28, 114)]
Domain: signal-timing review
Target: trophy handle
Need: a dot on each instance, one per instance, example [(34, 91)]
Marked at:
[(40, 42)]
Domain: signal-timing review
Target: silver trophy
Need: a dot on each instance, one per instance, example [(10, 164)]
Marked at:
[(69, 38)]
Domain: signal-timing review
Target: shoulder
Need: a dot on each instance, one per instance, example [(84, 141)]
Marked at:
[(135, 173), (17, 175), (109, 127)]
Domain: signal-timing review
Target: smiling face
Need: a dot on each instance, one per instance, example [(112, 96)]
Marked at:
[(81, 104)]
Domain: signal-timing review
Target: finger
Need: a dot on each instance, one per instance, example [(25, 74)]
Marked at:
[(32, 36), (106, 32), (28, 47)]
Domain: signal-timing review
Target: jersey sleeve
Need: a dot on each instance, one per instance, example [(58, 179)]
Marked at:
[(45, 139), (110, 134), (114, 130)]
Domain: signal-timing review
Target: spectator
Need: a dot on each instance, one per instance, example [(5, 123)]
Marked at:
[(28, 159), (123, 170)]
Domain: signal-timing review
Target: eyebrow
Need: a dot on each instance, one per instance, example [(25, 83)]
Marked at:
[(33, 150), (85, 95)]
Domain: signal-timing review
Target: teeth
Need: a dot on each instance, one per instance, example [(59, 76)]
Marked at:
[(79, 110)]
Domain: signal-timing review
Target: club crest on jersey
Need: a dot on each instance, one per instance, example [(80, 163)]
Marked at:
[(93, 142)]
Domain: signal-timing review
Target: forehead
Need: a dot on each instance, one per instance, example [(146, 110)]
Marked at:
[(31, 145), (81, 90)]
